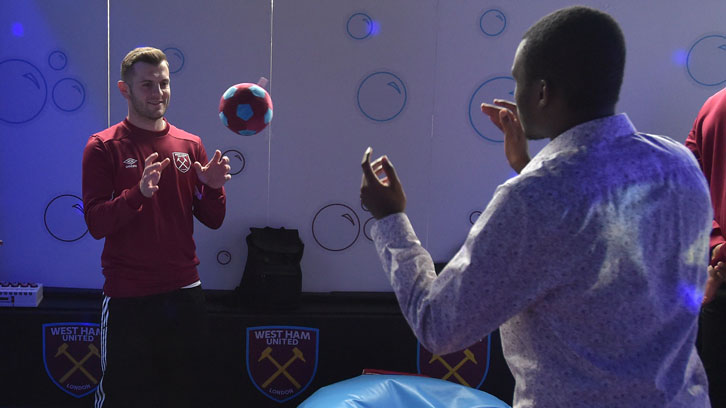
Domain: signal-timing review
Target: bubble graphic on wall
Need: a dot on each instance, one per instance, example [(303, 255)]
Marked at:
[(492, 22), (24, 91), (706, 62), (500, 87), (224, 257), (236, 161), (367, 228), (473, 216), (336, 227), (359, 26), (175, 57), (381, 96), (64, 219), (69, 94), (57, 60)]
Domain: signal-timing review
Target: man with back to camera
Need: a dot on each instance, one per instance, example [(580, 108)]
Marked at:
[(143, 182), (589, 259), (706, 140)]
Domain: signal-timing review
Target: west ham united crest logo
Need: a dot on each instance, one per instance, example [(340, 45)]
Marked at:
[(182, 161), (72, 357), (467, 367), (282, 360)]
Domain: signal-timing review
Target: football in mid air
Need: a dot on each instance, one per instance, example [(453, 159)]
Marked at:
[(245, 109)]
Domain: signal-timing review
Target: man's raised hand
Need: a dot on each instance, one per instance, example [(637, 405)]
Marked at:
[(216, 172), (149, 182), (503, 115), (381, 191)]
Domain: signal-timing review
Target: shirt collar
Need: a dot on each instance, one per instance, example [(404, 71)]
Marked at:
[(146, 133), (591, 132)]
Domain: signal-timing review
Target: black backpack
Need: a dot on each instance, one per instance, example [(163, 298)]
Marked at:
[(272, 277)]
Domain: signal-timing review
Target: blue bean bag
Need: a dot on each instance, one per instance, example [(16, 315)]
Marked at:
[(390, 391)]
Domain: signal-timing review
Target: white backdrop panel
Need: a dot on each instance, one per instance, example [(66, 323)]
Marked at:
[(405, 77), (346, 75), (52, 96)]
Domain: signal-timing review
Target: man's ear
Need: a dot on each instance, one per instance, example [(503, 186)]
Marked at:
[(545, 94), (123, 87)]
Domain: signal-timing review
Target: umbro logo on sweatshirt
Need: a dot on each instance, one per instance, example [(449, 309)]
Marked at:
[(130, 163)]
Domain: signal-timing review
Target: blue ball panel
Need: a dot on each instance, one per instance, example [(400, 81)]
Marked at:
[(246, 132), (257, 91), (224, 119), (268, 116), (244, 111), (229, 92)]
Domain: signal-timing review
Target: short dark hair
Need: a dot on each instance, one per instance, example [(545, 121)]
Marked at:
[(150, 55), (579, 51)]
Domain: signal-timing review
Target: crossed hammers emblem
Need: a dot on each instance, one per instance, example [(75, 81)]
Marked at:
[(281, 369), (78, 365), (468, 356)]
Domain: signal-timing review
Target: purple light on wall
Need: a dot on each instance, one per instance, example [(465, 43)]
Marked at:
[(375, 28), (679, 58), (17, 29)]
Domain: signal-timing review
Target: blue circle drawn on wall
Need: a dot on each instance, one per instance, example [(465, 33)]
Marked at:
[(237, 161), (367, 228), (176, 59), (57, 60), (473, 216), (224, 257), (336, 227), (359, 26), (69, 94), (706, 61), (493, 22), (500, 87), (381, 96), (64, 219), (24, 91)]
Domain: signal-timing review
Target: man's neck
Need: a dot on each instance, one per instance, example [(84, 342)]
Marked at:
[(578, 118), (147, 124)]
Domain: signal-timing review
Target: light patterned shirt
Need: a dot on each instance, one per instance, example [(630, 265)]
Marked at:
[(592, 261)]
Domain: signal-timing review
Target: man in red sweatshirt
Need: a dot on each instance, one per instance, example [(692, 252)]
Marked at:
[(143, 182), (707, 141)]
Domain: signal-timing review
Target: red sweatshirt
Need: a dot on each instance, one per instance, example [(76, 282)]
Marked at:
[(707, 141), (149, 247)]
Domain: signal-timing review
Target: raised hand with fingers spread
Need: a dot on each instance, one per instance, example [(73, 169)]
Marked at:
[(216, 172), (149, 183)]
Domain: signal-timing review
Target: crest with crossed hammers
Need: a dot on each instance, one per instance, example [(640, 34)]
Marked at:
[(468, 356), (78, 365), (281, 369)]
